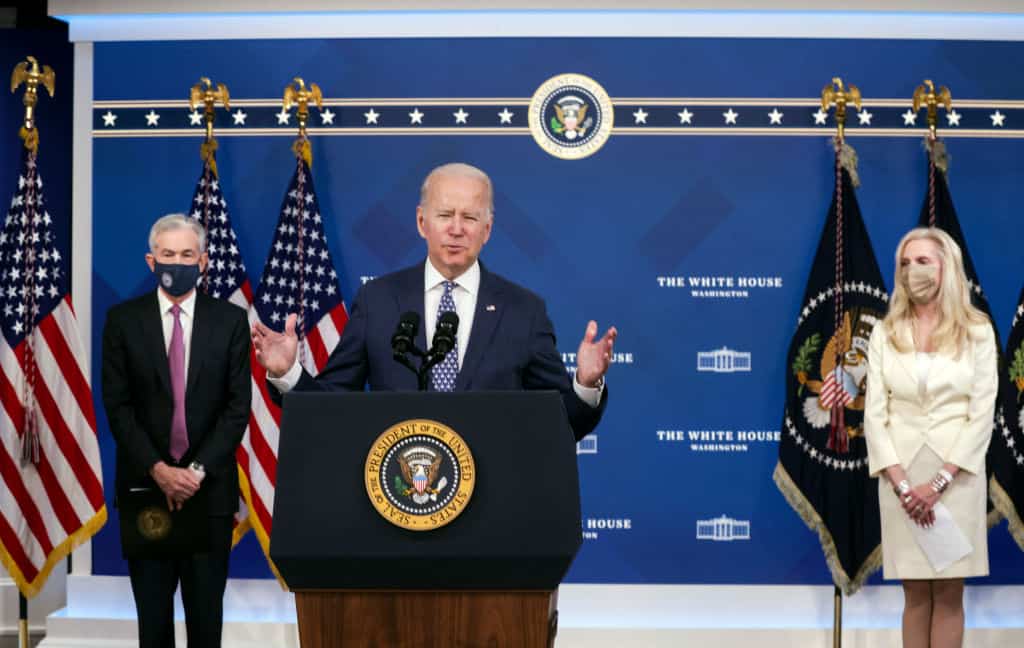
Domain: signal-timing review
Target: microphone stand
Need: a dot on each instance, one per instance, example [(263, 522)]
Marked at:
[(428, 360)]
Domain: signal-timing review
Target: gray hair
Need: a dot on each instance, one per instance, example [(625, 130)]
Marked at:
[(462, 170), (174, 222)]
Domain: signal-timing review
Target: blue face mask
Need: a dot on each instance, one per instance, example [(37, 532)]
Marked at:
[(176, 278)]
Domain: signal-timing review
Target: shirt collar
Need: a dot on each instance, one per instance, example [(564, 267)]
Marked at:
[(188, 306), (468, 280)]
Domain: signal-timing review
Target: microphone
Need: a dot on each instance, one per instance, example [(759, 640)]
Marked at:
[(444, 333), (403, 341)]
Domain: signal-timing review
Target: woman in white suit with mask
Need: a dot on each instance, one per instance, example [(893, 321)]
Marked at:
[(928, 418)]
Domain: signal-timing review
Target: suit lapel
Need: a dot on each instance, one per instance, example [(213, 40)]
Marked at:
[(198, 342), (908, 360), (487, 315), (151, 321)]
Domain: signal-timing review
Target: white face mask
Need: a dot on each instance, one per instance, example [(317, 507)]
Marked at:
[(921, 282)]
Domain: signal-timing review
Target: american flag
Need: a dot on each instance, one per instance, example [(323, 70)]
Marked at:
[(225, 278), (299, 277), (51, 499)]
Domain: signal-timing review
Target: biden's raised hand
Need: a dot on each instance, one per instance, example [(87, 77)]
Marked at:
[(276, 351), (594, 355)]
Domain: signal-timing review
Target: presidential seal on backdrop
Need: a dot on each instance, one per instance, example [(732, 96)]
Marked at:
[(419, 474), (570, 116)]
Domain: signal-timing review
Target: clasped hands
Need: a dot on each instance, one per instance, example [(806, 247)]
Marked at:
[(919, 503), (177, 484)]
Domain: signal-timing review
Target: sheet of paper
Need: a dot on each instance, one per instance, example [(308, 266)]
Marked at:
[(944, 543)]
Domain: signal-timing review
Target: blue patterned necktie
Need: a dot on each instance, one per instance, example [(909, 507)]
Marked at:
[(443, 374)]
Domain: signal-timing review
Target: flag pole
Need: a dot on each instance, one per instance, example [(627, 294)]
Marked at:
[(837, 618), (835, 94), (22, 621), (206, 95), (926, 97), (296, 94)]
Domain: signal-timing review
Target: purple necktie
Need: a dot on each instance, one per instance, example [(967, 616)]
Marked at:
[(176, 361)]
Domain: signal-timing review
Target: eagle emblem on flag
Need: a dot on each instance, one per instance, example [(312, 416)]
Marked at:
[(841, 382)]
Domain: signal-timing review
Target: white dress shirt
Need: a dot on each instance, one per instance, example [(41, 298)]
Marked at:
[(464, 294), (188, 309), (467, 288)]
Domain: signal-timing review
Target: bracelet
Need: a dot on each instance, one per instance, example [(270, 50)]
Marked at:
[(940, 482), (902, 488), (946, 474)]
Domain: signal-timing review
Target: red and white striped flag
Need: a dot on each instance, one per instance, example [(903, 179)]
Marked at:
[(51, 499), (225, 278), (833, 389), (299, 277)]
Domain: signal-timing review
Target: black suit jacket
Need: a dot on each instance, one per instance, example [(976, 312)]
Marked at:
[(511, 344), (218, 392)]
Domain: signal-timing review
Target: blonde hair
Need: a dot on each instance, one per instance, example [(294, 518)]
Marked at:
[(956, 312)]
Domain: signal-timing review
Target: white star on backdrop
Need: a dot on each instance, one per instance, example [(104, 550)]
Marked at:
[(239, 117), (820, 117), (505, 116), (730, 116), (864, 117), (910, 118), (152, 119), (997, 118), (109, 118), (327, 117), (283, 117), (460, 117), (639, 117), (775, 116), (371, 116), (685, 117), (195, 118), (415, 117), (953, 117)]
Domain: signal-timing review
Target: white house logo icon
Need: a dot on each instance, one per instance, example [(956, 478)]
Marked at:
[(723, 529), (587, 445), (723, 360)]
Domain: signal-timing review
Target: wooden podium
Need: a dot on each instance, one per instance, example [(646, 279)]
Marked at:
[(489, 578), (407, 619)]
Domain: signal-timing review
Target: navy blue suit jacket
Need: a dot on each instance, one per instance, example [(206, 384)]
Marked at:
[(511, 345)]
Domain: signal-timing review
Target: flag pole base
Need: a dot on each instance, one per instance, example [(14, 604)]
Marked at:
[(837, 619)]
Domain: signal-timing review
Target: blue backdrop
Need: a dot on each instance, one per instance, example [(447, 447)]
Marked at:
[(617, 237)]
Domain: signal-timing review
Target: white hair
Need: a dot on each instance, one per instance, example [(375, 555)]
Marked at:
[(175, 222), (463, 170)]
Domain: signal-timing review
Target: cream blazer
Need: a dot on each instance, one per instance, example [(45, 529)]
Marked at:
[(954, 417)]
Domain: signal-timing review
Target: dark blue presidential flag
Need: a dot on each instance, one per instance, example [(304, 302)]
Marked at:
[(823, 466), (1006, 488), (1005, 478)]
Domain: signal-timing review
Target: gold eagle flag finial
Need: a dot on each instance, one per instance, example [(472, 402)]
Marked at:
[(29, 73), (205, 94), (925, 96), (835, 94), (297, 94)]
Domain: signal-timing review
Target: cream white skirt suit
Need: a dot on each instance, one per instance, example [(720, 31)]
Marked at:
[(948, 419)]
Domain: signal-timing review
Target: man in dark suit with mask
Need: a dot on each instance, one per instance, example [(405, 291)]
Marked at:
[(177, 391), (505, 339)]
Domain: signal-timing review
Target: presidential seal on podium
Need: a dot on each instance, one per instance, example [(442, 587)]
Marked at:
[(419, 474)]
